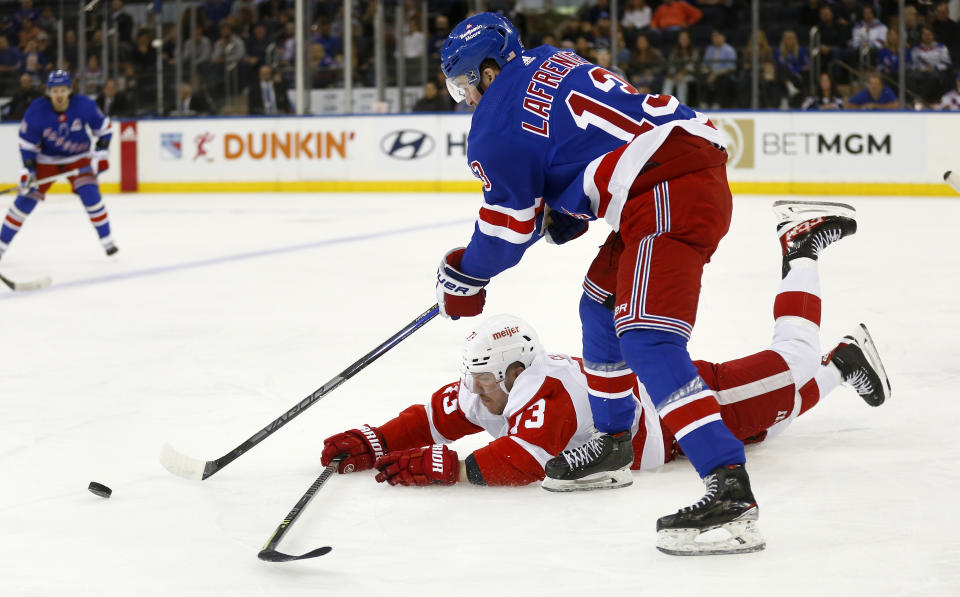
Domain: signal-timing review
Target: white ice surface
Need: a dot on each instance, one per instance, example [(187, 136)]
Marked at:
[(221, 312)]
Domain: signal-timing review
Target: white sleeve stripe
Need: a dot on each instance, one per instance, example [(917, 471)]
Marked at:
[(612, 395), (24, 144), (697, 425), (503, 233), (105, 127), (755, 388), (525, 214), (537, 452), (438, 437)]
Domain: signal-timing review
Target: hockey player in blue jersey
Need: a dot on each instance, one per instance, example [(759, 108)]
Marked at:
[(54, 139), (556, 142)]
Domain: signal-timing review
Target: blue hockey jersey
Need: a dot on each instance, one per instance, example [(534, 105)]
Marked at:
[(50, 137), (556, 130)]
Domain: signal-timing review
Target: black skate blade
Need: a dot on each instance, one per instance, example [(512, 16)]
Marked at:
[(272, 555)]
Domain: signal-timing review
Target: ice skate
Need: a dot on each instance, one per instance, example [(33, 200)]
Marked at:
[(724, 521), (860, 367), (111, 250), (807, 227), (601, 463)]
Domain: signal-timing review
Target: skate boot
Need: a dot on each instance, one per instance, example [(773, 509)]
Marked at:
[(728, 506), (860, 367), (601, 463), (111, 249), (807, 227)]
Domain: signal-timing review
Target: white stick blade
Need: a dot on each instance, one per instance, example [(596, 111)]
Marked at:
[(33, 285), (180, 464)]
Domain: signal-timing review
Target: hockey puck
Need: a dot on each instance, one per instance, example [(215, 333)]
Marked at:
[(99, 489)]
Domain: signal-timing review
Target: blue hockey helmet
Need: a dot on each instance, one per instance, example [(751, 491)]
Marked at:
[(58, 78), (473, 40)]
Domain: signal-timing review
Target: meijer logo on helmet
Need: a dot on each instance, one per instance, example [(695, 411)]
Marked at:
[(506, 333)]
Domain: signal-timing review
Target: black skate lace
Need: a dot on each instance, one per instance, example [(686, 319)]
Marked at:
[(712, 487), (581, 456), (825, 238), (860, 382)]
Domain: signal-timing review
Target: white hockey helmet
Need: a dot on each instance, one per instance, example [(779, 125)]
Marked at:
[(496, 344)]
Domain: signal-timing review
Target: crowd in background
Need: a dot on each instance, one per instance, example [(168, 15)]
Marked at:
[(238, 55)]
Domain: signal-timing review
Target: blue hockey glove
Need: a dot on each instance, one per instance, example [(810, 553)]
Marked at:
[(561, 228)]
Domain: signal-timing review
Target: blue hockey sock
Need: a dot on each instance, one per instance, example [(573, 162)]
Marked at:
[(610, 381), (686, 405), (90, 196), (18, 212)]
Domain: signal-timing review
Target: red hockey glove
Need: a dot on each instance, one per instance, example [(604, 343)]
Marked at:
[(561, 228), (458, 294), (432, 465), (362, 446)]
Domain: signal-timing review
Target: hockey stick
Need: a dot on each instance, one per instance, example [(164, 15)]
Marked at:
[(192, 468), (43, 181), (269, 552), (31, 285), (953, 179)]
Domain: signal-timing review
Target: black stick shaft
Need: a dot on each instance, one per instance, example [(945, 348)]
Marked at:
[(292, 516), (213, 466)]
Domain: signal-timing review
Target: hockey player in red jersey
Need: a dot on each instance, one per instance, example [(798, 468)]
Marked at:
[(536, 404)]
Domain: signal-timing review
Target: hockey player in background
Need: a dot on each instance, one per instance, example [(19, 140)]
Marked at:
[(551, 130), (536, 404), (54, 139)]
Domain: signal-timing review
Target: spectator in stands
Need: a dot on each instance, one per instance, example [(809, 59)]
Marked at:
[(268, 95), (773, 92), (764, 51), (888, 58), (929, 67), (876, 96), (321, 34), (834, 39), (825, 96), (720, 67), (946, 30), (29, 90), (34, 63), (144, 57), (432, 100), (605, 60), (228, 50), (323, 67), (70, 49), (869, 33), (646, 66), (441, 29), (10, 61), (951, 99), (111, 102), (94, 77), (792, 56), (673, 15), (25, 13), (637, 16), (193, 104), (256, 46), (28, 32), (197, 49), (681, 68), (911, 22), (122, 21)]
